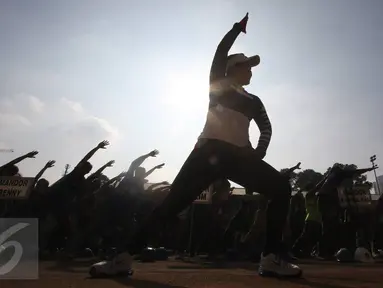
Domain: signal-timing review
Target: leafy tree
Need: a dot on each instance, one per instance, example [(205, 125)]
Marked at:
[(306, 179)]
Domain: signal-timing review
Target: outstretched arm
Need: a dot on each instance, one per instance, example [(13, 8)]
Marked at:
[(110, 181), (49, 164), (292, 169), (99, 171), (153, 169), (153, 186), (137, 163), (101, 145), (353, 173), (19, 159), (218, 67)]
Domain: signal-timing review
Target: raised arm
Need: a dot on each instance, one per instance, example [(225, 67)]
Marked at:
[(110, 181), (101, 145), (49, 164), (153, 169), (262, 120), (99, 171), (155, 185), (218, 67), (353, 173), (19, 159), (292, 169), (137, 163)]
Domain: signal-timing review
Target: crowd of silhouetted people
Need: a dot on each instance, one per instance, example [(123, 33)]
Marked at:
[(89, 214)]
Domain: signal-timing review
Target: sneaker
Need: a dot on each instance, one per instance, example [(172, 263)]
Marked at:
[(273, 266), (121, 264), (363, 255)]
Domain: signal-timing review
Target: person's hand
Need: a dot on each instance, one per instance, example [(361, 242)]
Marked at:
[(110, 163), (154, 153), (243, 23), (50, 164), (32, 154), (298, 166), (160, 166), (103, 144), (165, 183)]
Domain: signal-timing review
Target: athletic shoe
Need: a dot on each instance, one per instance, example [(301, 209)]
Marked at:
[(273, 266), (363, 255), (121, 264)]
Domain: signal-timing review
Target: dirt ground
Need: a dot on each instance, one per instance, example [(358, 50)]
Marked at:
[(175, 274)]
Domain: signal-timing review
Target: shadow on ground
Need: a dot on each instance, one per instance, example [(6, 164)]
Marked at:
[(137, 283), (313, 284), (71, 266)]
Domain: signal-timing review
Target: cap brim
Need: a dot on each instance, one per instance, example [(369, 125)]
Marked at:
[(254, 61), (251, 61)]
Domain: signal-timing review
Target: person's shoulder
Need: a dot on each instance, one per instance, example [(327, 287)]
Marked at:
[(256, 99), (220, 86), (258, 102), (253, 96)]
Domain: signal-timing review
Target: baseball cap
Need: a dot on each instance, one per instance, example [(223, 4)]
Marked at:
[(240, 58)]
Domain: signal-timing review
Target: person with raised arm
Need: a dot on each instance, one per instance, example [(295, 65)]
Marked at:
[(81, 169), (135, 178), (291, 170), (10, 169), (138, 162), (96, 174), (223, 151), (329, 206), (63, 192), (36, 204), (48, 165)]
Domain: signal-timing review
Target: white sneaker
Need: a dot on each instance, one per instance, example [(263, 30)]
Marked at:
[(121, 264), (273, 266), (363, 255)]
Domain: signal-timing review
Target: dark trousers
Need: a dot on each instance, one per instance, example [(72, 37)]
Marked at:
[(309, 238), (329, 207), (212, 160)]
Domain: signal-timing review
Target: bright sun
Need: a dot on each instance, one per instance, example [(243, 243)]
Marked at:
[(187, 92)]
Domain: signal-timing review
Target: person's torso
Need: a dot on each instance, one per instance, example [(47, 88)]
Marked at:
[(312, 209), (230, 111)]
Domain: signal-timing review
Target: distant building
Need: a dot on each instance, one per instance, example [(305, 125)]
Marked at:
[(380, 182)]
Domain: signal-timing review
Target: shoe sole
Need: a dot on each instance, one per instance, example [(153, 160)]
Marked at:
[(271, 274)]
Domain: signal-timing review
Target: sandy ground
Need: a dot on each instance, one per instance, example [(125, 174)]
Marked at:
[(175, 274)]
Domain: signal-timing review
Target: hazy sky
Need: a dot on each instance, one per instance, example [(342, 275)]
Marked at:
[(73, 73)]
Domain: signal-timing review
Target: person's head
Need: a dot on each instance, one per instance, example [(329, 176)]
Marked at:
[(239, 66), (10, 170), (84, 168), (42, 186), (140, 173)]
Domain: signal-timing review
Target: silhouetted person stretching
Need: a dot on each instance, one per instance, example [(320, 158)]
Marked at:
[(223, 151)]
